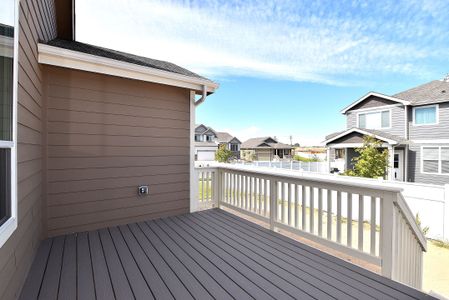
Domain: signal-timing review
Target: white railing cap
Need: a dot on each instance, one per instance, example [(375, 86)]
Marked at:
[(358, 182)]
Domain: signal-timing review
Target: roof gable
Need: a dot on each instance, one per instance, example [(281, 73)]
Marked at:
[(379, 98), (350, 136)]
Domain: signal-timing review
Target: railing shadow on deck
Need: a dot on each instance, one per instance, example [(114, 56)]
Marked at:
[(363, 219)]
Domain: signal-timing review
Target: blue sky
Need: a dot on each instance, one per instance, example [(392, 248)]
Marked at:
[(284, 67)]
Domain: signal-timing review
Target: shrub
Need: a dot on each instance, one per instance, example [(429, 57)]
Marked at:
[(372, 162), (223, 154)]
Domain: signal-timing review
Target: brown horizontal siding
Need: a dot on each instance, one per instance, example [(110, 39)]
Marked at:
[(36, 19), (105, 137), (139, 217)]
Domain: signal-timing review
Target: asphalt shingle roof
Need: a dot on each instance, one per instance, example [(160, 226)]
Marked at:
[(122, 56), (436, 91), (379, 133), (255, 142)]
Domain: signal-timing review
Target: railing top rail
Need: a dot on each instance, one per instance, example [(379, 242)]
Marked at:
[(330, 179), (408, 216)]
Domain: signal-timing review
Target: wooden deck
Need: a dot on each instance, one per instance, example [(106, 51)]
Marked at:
[(205, 255)]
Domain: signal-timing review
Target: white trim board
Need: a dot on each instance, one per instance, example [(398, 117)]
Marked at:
[(60, 57), (403, 102)]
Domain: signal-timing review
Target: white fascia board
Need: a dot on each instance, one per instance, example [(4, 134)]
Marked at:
[(60, 57), (376, 95), (391, 142)]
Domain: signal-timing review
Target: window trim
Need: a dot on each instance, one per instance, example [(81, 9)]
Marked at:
[(373, 112), (8, 228), (439, 159), (437, 113)]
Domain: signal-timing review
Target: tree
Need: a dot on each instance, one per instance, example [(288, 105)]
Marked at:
[(372, 162), (223, 154)]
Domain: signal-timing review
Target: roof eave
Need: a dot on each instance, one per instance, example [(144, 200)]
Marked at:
[(390, 141), (60, 57)]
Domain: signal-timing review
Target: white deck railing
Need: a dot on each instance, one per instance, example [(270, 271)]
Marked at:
[(366, 220)]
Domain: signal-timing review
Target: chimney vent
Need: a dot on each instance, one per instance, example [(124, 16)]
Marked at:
[(446, 78)]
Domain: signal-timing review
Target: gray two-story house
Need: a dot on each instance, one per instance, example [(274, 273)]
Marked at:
[(413, 125)]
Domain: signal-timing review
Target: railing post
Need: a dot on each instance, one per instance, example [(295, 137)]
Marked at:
[(273, 204), (387, 234), (217, 187), (194, 185), (446, 213)]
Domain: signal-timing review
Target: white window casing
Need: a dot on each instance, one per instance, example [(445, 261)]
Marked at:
[(10, 225), (435, 160), (417, 108), (374, 119)]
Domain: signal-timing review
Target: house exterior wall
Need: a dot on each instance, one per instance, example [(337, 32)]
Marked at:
[(397, 120), (106, 136), (427, 132), (37, 22)]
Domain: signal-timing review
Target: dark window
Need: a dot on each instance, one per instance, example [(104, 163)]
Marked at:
[(5, 185)]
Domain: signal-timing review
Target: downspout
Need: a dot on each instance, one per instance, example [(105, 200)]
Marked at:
[(407, 134), (203, 97)]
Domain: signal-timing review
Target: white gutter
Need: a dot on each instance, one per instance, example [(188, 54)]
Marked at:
[(60, 57)]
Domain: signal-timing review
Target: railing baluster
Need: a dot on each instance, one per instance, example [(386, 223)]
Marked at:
[(338, 216), (259, 196), (373, 226), (289, 212), (312, 209), (265, 197), (245, 192), (296, 205), (303, 208), (320, 211), (329, 214), (360, 238), (349, 220), (207, 186), (282, 202), (202, 186)]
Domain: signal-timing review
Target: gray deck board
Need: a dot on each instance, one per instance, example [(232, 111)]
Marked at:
[(207, 255), (67, 285)]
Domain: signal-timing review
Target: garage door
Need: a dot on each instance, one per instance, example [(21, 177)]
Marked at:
[(206, 155)]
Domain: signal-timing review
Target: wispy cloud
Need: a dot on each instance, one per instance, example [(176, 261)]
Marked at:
[(333, 42)]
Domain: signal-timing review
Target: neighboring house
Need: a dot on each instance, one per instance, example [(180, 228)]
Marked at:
[(265, 149), (413, 125), (81, 127), (206, 143), (231, 142)]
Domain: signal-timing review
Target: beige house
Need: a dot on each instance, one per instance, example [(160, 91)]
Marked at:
[(81, 128), (265, 149)]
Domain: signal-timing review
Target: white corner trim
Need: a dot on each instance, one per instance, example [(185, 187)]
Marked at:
[(437, 113), (403, 102), (391, 142), (60, 57)]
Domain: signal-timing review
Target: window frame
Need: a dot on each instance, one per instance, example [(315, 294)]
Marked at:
[(437, 113), (380, 111), (10, 225), (439, 160)]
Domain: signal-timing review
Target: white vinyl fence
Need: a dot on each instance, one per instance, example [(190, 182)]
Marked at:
[(314, 166)]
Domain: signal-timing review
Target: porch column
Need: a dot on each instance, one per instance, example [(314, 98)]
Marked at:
[(390, 162), (328, 153)]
